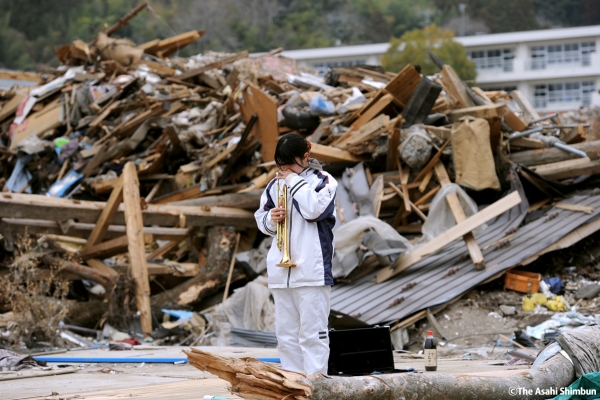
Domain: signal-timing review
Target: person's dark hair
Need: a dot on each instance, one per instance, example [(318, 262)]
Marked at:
[(289, 147)]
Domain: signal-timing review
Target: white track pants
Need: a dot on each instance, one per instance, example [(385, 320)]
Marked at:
[(301, 316)]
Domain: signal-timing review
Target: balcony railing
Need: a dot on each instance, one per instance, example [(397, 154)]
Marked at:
[(542, 103), (504, 67), (543, 63)]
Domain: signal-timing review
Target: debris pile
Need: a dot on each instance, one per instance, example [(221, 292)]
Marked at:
[(140, 170)]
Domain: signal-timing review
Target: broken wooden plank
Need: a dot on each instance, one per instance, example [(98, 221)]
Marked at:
[(459, 216), (375, 125), (135, 235), (161, 251), (452, 234), (168, 46), (527, 143), (374, 109), (81, 229), (330, 154), (231, 265), (553, 154), (410, 203), (107, 215), (16, 205), (529, 112), (485, 111), (51, 117), (404, 84), (102, 116), (217, 64), (513, 121), (575, 135), (266, 129), (568, 169), (575, 207), (110, 248), (432, 163), (455, 88), (156, 268)]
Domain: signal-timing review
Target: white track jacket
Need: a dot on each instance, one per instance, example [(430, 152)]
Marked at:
[(311, 216)]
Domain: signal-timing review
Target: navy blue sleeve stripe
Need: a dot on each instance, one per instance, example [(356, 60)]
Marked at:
[(297, 187), (293, 187), (324, 181), (266, 227), (270, 203)]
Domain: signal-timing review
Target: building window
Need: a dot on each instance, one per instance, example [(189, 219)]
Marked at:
[(567, 94), (559, 54), (493, 59)]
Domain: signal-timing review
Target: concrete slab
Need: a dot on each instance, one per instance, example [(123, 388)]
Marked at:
[(103, 381)]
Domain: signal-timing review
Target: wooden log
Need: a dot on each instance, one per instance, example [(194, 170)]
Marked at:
[(211, 276), (247, 200), (82, 230), (568, 169), (111, 247), (452, 234), (16, 205), (81, 271), (253, 379), (135, 236), (553, 154), (156, 268)]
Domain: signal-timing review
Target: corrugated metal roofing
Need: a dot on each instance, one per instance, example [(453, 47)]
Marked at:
[(372, 303)]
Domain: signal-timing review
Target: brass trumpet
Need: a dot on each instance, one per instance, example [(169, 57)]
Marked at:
[(283, 229)]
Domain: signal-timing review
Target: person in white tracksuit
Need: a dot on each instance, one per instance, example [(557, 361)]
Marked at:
[(302, 292)]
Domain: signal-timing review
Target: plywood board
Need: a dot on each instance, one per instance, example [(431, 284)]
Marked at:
[(255, 101)]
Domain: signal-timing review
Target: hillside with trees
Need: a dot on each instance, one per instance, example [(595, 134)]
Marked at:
[(30, 28)]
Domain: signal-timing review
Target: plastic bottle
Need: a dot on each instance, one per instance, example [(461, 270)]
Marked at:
[(430, 352)]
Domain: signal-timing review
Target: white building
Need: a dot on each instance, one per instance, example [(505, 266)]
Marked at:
[(556, 69)]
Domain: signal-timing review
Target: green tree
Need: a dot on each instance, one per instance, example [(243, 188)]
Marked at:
[(412, 48)]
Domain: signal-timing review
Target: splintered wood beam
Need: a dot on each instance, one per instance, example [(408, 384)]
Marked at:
[(431, 163), (485, 111), (455, 88), (100, 229), (369, 111), (111, 247), (458, 231), (161, 251), (459, 216), (331, 154), (37, 207), (411, 204), (135, 235), (403, 181), (107, 215)]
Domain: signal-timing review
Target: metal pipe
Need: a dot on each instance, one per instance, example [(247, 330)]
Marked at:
[(570, 149), (540, 119), (525, 133)]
